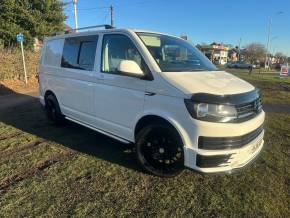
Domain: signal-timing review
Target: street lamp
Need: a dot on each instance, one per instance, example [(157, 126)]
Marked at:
[(269, 35), (270, 49), (271, 42)]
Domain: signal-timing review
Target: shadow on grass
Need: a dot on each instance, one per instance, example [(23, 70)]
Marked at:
[(28, 115)]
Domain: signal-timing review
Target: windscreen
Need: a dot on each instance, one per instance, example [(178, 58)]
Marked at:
[(175, 55)]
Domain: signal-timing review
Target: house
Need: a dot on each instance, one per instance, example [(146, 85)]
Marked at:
[(216, 52), (234, 54), (38, 43), (67, 28)]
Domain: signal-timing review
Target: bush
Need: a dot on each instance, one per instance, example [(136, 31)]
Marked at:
[(11, 66)]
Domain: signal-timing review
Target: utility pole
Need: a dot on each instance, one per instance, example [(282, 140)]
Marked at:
[(112, 15), (268, 42), (240, 42), (269, 37), (75, 14), (271, 43)]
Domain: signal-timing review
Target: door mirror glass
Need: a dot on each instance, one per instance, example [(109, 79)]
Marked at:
[(130, 68)]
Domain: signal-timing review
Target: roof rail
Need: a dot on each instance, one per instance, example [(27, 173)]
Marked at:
[(58, 33), (106, 26)]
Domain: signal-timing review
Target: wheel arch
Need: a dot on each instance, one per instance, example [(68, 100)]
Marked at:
[(50, 92), (153, 118)]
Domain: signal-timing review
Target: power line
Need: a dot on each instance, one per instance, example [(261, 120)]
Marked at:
[(105, 17), (116, 5), (111, 9), (91, 9)]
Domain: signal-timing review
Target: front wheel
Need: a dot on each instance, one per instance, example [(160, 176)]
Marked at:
[(159, 150)]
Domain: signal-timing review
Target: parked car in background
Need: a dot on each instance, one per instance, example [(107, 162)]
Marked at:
[(239, 64), (257, 65), (276, 66), (285, 70)]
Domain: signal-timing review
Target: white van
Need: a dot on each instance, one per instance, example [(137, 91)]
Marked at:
[(157, 91)]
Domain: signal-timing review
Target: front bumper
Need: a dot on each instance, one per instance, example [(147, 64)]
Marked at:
[(228, 159), (231, 160)]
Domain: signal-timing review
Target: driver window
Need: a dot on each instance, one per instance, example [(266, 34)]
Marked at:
[(116, 48)]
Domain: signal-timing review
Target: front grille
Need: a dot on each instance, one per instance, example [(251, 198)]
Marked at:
[(219, 143), (248, 110), (212, 161)]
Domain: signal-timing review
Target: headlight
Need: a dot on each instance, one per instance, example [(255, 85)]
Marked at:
[(211, 112)]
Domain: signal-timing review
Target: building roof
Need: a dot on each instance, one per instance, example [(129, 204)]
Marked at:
[(215, 46), (67, 27)]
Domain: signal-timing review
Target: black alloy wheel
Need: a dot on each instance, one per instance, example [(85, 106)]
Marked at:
[(160, 150)]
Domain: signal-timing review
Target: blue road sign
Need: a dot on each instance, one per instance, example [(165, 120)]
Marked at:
[(19, 37)]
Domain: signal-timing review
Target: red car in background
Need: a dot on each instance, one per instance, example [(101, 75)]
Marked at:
[(284, 70)]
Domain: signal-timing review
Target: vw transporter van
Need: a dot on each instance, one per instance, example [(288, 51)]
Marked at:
[(156, 91)]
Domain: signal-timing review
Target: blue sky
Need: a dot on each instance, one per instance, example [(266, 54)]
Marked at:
[(204, 21)]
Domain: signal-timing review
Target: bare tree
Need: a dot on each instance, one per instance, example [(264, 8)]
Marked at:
[(254, 52), (280, 57)]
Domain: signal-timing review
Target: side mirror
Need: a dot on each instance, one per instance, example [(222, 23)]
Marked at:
[(130, 68)]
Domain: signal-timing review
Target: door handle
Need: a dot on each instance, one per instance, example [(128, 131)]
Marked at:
[(150, 93)]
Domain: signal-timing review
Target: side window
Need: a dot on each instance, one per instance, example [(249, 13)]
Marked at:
[(116, 48), (79, 52), (87, 54), (70, 53), (53, 51)]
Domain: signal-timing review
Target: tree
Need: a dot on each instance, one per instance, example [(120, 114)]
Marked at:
[(34, 18), (254, 52), (288, 60), (281, 58)]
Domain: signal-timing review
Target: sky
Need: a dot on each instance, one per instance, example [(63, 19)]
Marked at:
[(204, 21)]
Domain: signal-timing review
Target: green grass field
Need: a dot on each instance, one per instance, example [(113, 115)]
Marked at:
[(275, 89), (55, 171), (259, 76)]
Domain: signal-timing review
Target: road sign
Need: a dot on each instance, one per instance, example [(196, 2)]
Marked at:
[(19, 37)]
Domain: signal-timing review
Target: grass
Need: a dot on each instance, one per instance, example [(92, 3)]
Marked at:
[(54, 171), (274, 88), (258, 75)]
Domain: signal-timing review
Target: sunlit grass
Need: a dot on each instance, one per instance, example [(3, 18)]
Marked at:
[(258, 74), (103, 178)]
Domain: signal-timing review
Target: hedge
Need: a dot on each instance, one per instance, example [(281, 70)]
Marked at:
[(11, 66)]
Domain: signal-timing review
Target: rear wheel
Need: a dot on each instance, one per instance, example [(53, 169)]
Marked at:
[(160, 150), (52, 108)]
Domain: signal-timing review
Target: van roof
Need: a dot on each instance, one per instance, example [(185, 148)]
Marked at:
[(90, 32)]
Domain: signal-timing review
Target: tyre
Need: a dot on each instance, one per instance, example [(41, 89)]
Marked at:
[(53, 111), (159, 150)]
